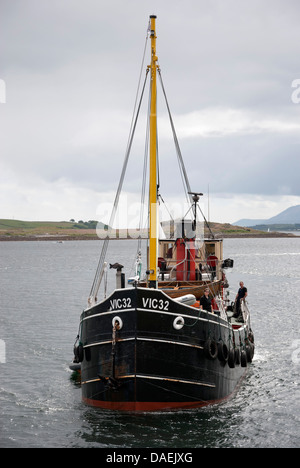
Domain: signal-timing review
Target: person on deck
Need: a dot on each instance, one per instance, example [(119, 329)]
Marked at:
[(241, 296), (205, 302)]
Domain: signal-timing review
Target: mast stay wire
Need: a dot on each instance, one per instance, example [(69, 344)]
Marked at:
[(139, 84), (144, 177), (179, 156), (183, 172), (96, 283), (186, 184)]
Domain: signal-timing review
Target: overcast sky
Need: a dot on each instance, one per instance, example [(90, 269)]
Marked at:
[(68, 78)]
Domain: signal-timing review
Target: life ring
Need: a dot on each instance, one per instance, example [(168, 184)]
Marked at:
[(210, 349), (222, 352), (178, 323), (119, 320)]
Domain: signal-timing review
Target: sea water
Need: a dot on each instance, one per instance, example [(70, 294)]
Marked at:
[(44, 286)]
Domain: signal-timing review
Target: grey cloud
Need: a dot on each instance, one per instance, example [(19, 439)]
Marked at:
[(71, 71)]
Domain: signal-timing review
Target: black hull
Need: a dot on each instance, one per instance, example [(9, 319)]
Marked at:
[(150, 364)]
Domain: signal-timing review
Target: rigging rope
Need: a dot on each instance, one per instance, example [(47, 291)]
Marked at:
[(144, 176), (183, 172), (95, 286), (97, 279), (184, 175)]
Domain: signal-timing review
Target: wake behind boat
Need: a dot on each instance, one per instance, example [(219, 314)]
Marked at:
[(172, 339)]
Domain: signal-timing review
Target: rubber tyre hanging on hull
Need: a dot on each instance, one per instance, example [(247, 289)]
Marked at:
[(251, 337), (243, 358), (222, 352), (237, 354), (231, 358), (210, 349), (78, 353), (250, 352)]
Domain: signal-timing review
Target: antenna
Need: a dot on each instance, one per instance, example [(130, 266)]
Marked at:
[(196, 196), (208, 207)]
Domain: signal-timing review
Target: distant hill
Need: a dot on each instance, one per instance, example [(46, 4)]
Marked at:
[(15, 229), (6, 224), (290, 216)]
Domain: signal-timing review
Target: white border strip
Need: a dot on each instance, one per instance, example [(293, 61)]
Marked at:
[(144, 339), (166, 379), (174, 314)]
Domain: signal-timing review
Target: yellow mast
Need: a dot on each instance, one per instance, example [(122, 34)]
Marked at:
[(153, 245)]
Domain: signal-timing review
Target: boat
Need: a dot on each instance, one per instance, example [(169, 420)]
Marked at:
[(150, 344)]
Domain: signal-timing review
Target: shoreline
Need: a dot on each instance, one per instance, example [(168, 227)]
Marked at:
[(67, 238), (61, 231)]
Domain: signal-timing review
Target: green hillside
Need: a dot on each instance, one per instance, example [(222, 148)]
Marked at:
[(16, 229), (16, 224), (11, 229), (6, 224)]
